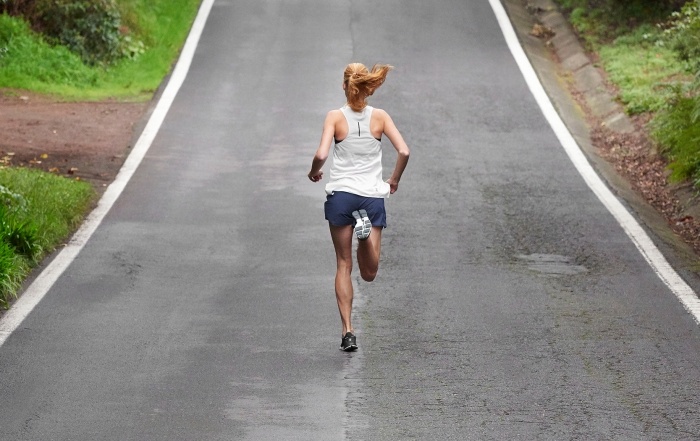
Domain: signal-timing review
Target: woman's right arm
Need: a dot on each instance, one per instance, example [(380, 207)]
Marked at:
[(324, 147)]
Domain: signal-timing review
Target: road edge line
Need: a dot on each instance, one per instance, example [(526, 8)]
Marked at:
[(31, 297), (629, 224)]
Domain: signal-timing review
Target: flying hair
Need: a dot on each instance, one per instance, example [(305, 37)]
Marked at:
[(361, 83)]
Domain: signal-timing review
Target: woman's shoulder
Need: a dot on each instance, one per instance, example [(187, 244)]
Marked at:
[(379, 113), (334, 115), (335, 112)]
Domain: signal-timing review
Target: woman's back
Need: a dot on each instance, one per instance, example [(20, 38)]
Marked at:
[(357, 158)]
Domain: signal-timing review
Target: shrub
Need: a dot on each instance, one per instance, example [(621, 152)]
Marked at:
[(677, 130), (601, 21), (89, 28), (683, 34), (17, 7)]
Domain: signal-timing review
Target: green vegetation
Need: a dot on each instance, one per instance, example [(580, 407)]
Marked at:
[(676, 127), (37, 211), (651, 52), (128, 66), (683, 34), (602, 21), (89, 28), (29, 62), (642, 72)]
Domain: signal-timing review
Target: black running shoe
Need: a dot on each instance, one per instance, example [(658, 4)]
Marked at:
[(363, 226), (348, 343)]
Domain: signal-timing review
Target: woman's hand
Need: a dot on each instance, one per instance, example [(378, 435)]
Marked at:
[(315, 176), (393, 185)]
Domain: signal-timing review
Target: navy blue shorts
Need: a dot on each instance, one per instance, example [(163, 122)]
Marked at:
[(340, 205)]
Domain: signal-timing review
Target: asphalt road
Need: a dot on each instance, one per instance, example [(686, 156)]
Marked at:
[(510, 305)]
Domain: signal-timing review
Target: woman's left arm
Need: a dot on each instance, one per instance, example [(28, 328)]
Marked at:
[(402, 149)]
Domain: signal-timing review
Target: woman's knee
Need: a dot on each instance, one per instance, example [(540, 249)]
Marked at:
[(368, 274), (345, 266)]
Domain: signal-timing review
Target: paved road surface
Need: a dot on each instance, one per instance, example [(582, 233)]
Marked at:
[(510, 305)]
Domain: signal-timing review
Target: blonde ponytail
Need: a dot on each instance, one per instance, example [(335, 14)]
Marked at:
[(361, 83)]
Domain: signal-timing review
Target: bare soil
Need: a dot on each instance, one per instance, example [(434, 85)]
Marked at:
[(85, 140)]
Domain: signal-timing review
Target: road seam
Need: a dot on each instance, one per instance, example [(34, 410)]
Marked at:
[(46, 279), (629, 224)]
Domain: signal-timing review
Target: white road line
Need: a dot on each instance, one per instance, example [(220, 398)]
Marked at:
[(41, 285), (639, 237)]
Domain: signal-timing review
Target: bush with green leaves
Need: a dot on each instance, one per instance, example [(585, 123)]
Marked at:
[(17, 7), (93, 29), (683, 34), (602, 21), (90, 28), (676, 128)]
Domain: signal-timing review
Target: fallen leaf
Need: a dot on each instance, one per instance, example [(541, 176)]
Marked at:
[(541, 31)]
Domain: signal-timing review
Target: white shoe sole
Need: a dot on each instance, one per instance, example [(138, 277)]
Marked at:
[(363, 226)]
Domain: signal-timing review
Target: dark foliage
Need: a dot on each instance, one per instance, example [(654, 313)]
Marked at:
[(90, 28)]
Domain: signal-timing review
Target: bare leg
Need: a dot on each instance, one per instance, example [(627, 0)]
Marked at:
[(368, 251), (342, 241)]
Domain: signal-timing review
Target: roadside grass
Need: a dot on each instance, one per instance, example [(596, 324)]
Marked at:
[(642, 73), (162, 25), (28, 62), (650, 54), (38, 210)]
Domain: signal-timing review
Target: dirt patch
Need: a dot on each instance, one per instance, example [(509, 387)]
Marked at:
[(85, 140), (634, 158)]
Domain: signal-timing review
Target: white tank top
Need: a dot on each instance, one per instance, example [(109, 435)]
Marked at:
[(357, 159)]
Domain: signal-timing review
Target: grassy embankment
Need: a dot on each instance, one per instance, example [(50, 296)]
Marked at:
[(38, 211), (28, 62), (651, 53)]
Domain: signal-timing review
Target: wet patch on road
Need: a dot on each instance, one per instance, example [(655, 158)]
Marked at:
[(552, 264)]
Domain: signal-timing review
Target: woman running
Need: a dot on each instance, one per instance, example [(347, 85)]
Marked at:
[(356, 192)]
